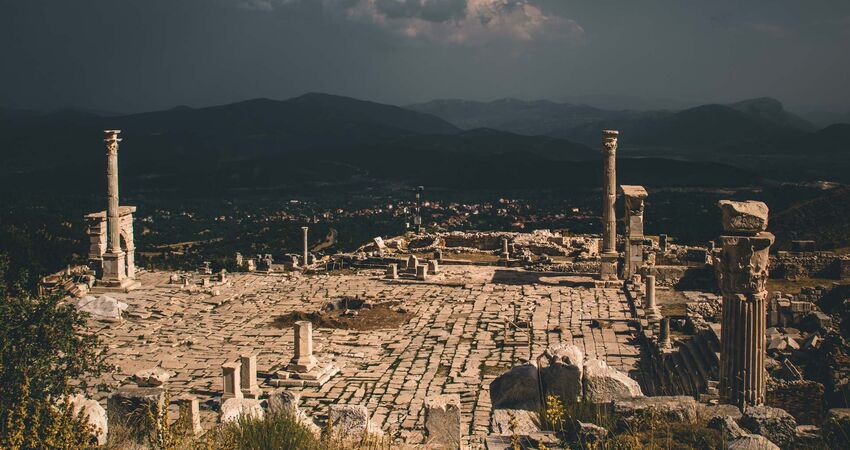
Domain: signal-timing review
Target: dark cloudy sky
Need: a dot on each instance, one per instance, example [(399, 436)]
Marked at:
[(133, 55)]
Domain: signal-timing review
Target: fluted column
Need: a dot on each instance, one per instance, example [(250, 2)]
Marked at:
[(609, 198), (743, 272), (114, 268)]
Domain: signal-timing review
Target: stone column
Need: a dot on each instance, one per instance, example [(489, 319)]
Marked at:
[(114, 269), (743, 272), (651, 306), (230, 381), (304, 229), (608, 269), (248, 379), (303, 361), (506, 253), (634, 197)]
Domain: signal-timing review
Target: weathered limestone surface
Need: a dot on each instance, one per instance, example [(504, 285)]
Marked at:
[(517, 388), (442, 421), (450, 346), (234, 408), (751, 442), (773, 423), (742, 274), (95, 414), (603, 383), (560, 370), (349, 419), (680, 408)]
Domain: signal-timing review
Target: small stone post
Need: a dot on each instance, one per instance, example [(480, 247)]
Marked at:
[(421, 272), (608, 268), (651, 306), (664, 335), (433, 267), (743, 272), (230, 381), (303, 361), (506, 253), (662, 242), (412, 263), (248, 379), (190, 413), (392, 271), (304, 229)]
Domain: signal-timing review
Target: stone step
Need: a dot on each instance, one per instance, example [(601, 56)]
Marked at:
[(691, 373), (690, 349)]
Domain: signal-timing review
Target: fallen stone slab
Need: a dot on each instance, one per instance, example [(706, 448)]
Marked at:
[(680, 408), (727, 426), (517, 388), (524, 422), (153, 377), (773, 423), (590, 434), (102, 308), (751, 442), (234, 408), (351, 420), (603, 384)]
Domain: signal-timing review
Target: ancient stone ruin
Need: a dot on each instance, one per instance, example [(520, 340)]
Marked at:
[(467, 339)]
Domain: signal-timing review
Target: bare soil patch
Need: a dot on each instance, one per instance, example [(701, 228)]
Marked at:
[(350, 314)]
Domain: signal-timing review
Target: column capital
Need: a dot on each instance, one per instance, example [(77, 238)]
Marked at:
[(111, 138), (609, 141)]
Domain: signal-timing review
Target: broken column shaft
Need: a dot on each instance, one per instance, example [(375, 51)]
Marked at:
[(304, 229), (608, 269), (743, 271)]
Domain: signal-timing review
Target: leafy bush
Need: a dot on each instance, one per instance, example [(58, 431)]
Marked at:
[(43, 350)]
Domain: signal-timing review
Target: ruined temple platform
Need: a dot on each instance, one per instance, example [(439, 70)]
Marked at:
[(455, 341)]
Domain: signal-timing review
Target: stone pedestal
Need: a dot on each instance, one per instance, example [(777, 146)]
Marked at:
[(248, 379), (230, 381), (743, 272), (634, 197), (433, 267), (392, 271), (421, 272), (303, 361), (442, 421), (608, 252)]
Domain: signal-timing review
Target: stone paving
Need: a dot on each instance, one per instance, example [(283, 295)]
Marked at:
[(452, 345)]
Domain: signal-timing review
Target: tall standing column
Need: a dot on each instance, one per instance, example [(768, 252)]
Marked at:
[(114, 268), (304, 229), (608, 269), (743, 272)]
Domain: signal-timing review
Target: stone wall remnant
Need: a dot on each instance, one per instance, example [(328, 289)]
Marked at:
[(634, 198)]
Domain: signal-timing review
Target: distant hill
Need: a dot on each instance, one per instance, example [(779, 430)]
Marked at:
[(771, 110), (531, 118), (319, 139), (823, 219)]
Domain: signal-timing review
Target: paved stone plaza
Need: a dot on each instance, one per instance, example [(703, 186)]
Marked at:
[(454, 343)]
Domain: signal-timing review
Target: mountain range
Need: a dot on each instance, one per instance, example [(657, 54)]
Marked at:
[(320, 139)]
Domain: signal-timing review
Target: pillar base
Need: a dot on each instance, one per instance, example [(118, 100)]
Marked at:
[(105, 286), (302, 365), (608, 267)]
